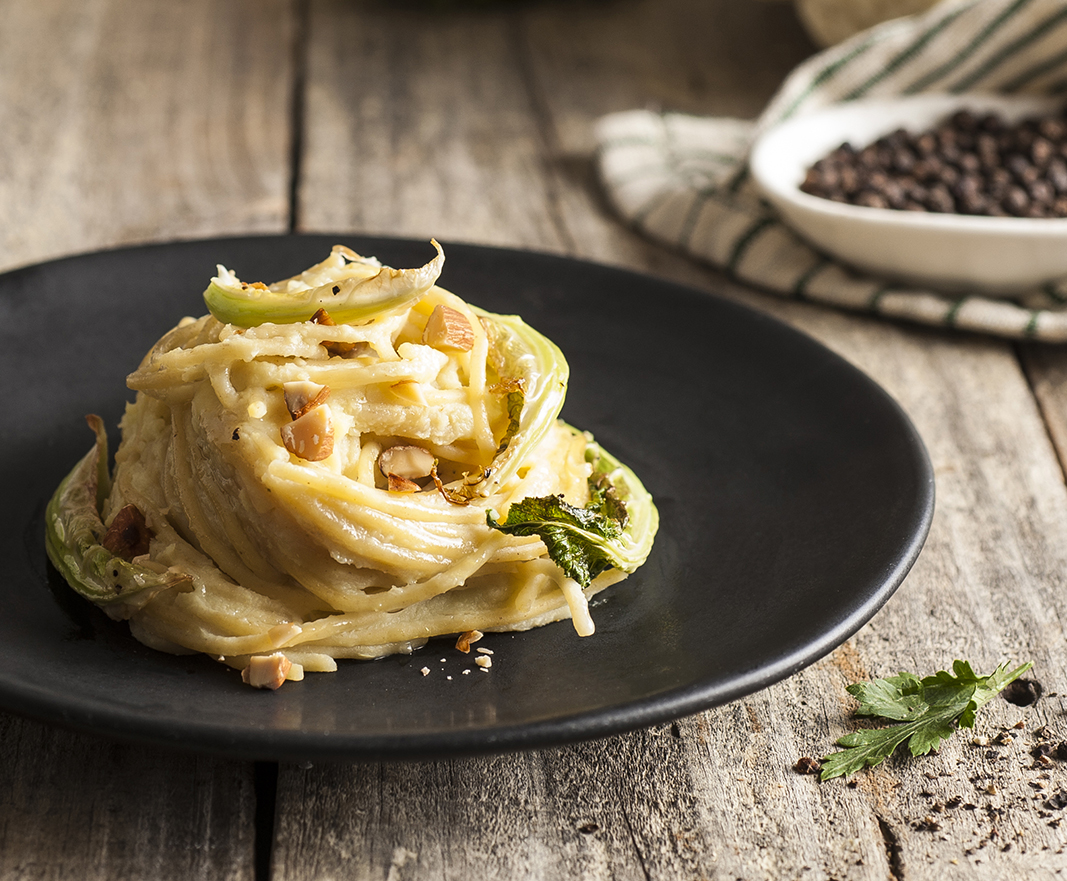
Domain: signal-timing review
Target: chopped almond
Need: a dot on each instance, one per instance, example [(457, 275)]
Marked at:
[(336, 348), (311, 436), (359, 349), (339, 349), (448, 329), (465, 640), (302, 396), (409, 391), (266, 671), (401, 484), (406, 460), (128, 536)]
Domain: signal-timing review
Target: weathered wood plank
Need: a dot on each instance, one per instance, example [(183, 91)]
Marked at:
[(986, 588), (714, 58), (1046, 368), (418, 124), (584, 61), (73, 806), (123, 122)]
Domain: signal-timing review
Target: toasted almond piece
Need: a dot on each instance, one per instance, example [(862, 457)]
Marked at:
[(128, 536), (266, 671), (406, 460), (323, 317), (465, 640), (338, 348), (311, 436), (409, 391), (448, 328), (401, 484), (303, 395), (359, 349)]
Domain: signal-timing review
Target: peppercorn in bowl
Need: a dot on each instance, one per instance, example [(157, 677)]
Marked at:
[(952, 192)]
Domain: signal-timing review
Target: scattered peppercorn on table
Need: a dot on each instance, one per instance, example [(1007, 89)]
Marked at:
[(123, 122)]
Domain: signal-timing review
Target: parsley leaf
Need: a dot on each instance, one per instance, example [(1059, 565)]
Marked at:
[(930, 709), (579, 540)]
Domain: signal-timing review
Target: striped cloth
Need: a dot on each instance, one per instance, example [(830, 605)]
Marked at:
[(683, 179)]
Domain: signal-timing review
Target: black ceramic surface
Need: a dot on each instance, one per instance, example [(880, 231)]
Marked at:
[(794, 496)]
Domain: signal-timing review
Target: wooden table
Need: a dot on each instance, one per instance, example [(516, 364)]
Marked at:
[(126, 121)]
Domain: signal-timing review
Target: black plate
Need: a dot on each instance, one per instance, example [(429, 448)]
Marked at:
[(794, 496)]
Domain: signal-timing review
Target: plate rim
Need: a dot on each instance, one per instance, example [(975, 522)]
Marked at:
[(297, 745)]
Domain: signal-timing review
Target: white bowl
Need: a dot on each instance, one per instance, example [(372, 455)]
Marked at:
[(993, 255)]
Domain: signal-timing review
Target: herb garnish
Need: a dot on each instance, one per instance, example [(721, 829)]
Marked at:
[(612, 531), (579, 540), (930, 708)]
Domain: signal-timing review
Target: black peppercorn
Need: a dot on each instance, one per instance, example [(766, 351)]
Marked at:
[(967, 164)]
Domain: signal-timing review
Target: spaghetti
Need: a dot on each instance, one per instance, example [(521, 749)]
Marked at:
[(344, 465)]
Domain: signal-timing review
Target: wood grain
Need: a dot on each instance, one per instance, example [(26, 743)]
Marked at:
[(986, 588), (74, 806), (123, 122), (417, 123)]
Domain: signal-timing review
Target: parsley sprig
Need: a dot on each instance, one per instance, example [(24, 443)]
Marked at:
[(931, 709)]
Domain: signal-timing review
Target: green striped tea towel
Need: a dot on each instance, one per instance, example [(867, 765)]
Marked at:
[(682, 179)]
